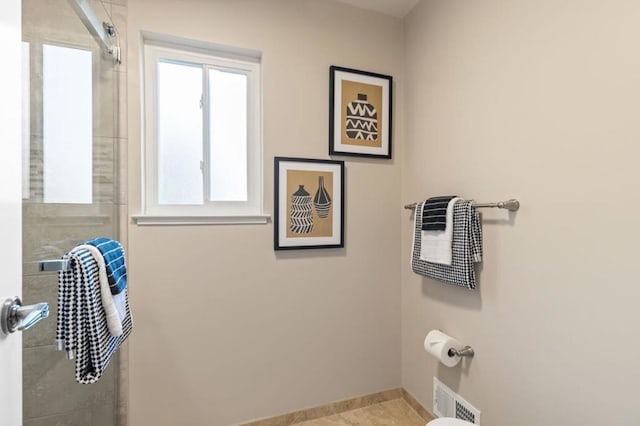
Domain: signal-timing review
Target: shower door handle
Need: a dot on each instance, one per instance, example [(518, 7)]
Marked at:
[(16, 317)]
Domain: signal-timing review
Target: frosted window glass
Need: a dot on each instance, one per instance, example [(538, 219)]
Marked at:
[(228, 136), (179, 134), (67, 125)]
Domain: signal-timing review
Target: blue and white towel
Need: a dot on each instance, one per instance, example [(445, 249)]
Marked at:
[(113, 254), (466, 247), (113, 305), (82, 330)]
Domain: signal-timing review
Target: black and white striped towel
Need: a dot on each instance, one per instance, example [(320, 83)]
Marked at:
[(434, 213), (466, 247), (82, 330)]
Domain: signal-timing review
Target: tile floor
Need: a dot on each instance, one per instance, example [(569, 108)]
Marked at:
[(389, 413)]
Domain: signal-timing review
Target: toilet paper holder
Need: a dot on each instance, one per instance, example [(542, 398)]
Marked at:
[(466, 351)]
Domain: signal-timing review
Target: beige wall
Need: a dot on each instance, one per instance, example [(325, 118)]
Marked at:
[(227, 330), (534, 100), (537, 100)]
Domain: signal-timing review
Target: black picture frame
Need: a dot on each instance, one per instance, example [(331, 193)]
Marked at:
[(308, 219), (357, 127)]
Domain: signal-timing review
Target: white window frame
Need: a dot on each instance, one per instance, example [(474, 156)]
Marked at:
[(211, 212)]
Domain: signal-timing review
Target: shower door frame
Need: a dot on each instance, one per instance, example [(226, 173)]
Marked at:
[(11, 204)]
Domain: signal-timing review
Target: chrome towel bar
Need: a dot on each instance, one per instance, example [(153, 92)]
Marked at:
[(511, 205), (53, 265)]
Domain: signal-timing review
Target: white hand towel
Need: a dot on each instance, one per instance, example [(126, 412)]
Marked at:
[(114, 306), (437, 245)]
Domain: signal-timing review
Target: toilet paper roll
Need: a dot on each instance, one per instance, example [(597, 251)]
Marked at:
[(438, 344)]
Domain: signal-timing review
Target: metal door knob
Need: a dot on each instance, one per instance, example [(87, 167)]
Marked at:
[(15, 317)]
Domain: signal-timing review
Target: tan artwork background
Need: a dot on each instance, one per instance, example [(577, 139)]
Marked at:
[(295, 178), (350, 90)]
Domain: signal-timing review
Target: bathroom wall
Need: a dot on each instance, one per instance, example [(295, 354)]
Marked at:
[(537, 100), (226, 329)]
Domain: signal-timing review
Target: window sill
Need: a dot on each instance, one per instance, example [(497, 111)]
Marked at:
[(147, 220)]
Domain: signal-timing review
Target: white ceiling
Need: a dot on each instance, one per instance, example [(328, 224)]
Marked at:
[(397, 8)]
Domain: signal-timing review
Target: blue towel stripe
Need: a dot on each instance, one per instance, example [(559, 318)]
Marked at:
[(115, 262)]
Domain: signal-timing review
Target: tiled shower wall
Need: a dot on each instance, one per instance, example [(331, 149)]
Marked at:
[(50, 394)]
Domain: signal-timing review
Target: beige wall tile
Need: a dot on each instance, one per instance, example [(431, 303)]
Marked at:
[(122, 174), (50, 386), (73, 418), (122, 120), (38, 289), (119, 19), (50, 230), (105, 99)]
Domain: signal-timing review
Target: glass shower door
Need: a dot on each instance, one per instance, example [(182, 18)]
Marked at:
[(69, 193)]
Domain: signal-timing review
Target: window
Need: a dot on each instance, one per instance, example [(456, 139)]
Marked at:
[(67, 125), (203, 142)]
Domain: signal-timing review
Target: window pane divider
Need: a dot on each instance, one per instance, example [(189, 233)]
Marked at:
[(206, 135)]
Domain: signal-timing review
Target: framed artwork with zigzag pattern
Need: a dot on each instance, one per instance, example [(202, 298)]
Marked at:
[(360, 104), (309, 203)]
